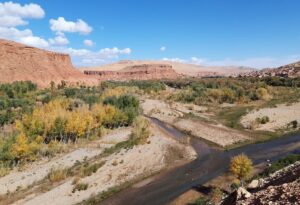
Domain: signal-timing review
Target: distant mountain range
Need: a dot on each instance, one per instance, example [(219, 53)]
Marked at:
[(180, 68), (20, 62)]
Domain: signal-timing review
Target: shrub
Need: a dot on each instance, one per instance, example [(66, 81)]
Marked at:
[(88, 170), (201, 201), (80, 187), (141, 130), (70, 92), (263, 120), (57, 174), (4, 170), (263, 94), (216, 195), (294, 124), (281, 163)]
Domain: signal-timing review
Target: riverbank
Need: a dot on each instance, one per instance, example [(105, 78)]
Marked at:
[(117, 169), (211, 164)]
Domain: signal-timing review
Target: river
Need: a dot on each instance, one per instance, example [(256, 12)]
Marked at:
[(210, 163)]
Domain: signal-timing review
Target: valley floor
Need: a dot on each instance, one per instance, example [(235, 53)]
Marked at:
[(124, 166)]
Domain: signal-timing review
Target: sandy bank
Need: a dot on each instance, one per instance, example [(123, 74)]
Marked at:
[(279, 117), (126, 165)]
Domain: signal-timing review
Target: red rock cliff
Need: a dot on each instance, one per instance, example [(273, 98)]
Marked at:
[(137, 72), (20, 62)]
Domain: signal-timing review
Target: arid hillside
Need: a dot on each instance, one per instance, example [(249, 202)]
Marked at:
[(20, 62), (136, 72), (291, 70), (180, 68)]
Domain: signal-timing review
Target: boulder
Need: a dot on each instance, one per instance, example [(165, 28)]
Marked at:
[(242, 193), (253, 184)]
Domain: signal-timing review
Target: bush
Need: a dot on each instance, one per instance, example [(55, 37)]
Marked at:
[(4, 170), (147, 86), (80, 187), (88, 170), (70, 92), (141, 130), (57, 174), (216, 195), (201, 201), (263, 94), (294, 124), (263, 120), (281, 163)]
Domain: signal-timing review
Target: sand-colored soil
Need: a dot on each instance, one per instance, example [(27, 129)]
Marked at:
[(186, 198), (168, 112), (126, 165), (190, 108), (279, 117), (40, 169), (160, 110), (171, 114), (218, 134)]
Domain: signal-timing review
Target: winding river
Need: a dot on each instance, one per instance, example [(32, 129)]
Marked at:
[(211, 162)]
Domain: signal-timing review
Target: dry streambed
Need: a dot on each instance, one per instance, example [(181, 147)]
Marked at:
[(119, 168), (173, 114)]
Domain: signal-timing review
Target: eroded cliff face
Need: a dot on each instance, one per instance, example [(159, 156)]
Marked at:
[(136, 72), (19, 62)]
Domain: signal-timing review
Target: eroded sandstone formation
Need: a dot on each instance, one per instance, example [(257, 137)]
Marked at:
[(136, 72), (20, 62)]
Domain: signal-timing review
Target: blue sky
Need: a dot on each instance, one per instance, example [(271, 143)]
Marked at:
[(257, 33)]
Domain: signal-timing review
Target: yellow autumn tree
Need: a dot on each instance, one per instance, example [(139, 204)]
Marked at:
[(109, 92), (241, 166), (98, 111), (20, 149)]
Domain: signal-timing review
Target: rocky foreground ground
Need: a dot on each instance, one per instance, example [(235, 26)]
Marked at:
[(281, 188)]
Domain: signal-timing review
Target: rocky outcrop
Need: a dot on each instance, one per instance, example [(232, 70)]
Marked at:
[(291, 70), (20, 62), (281, 187), (136, 72)]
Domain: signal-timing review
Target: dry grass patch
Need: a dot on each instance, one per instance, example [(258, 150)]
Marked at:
[(58, 174), (79, 186)]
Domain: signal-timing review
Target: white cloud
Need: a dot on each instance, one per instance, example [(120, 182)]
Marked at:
[(114, 52), (26, 11), (59, 40), (23, 36), (198, 61), (12, 21), (178, 60), (13, 33), (85, 57), (61, 25), (88, 42), (257, 62), (34, 41), (163, 48), (13, 14)]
